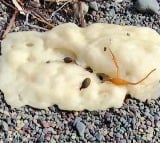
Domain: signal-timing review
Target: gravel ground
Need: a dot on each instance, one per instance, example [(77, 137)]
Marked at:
[(134, 122)]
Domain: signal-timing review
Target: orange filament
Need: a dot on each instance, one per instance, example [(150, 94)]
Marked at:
[(118, 80)]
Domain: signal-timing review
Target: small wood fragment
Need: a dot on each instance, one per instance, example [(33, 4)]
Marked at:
[(18, 6)]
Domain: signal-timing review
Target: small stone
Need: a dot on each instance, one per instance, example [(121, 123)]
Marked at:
[(48, 138), (77, 119), (46, 124), (118, 1), (73, 136), (158, 124), (4, 125), (156, 118), (148, 123), (111, 134), (99, 137), (41, 138), (45, 130), (149, 137), (150, 130), (141, 130), (123, 141), (93, 5), (53, 140), (80, 128), (112, 12), (118, 135)]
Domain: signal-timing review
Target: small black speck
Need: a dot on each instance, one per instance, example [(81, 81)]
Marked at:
[(89, 69), (100, 76), (105, 49), (128, 34)]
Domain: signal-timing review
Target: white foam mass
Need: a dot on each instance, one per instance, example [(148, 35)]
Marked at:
[(33, 71)]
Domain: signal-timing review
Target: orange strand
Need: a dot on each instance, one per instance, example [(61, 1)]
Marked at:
[(118, 80)]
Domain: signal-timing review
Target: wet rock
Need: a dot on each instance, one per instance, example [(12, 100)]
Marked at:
[(147, 6)]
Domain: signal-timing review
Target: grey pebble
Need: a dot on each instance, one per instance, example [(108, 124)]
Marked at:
[(80, 128), (147, 6), (41, 138), (123, 141), (118, 135), (148, 123), (111, 134), (112, 12), (93, 5), (77, 119), (99, 137), (156, 117), (4, 125)]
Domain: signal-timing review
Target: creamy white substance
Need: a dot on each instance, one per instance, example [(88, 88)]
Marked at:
[(27, 78)]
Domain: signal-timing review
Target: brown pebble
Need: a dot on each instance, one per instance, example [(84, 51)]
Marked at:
[(86, 82), (68, 60)]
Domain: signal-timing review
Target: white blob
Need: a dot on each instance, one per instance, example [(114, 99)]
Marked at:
[(33, 72)]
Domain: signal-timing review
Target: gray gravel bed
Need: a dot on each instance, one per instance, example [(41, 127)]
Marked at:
[(134, 122)]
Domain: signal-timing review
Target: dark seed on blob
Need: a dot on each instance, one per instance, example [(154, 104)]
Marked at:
[(128, 34), (86, 82), (103, 76), (100, 76), (89, 69), (68, 60), (48, 62), (105, 48)]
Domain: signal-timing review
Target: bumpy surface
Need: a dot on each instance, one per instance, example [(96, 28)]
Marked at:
[(33, 71)]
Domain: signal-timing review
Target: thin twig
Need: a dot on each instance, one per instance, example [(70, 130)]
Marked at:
[(6, 3), (11, 23), (37, 16), (31, 25), (36, 26), (81, 17), (54, 12), (20, 9), (42, 20)]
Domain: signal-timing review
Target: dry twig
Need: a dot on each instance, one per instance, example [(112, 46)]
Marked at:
[(11, 23), (34, 14), (81, 17), (20, 9), (54, 12), (6, 3)]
